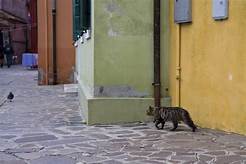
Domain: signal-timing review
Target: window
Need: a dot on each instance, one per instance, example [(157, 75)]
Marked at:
[(81, 17)]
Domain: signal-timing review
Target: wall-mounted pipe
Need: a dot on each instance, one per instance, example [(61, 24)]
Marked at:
[(178, 66), (157, 75), (46, 11), (54, 42)]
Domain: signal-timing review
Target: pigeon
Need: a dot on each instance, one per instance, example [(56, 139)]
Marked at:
[(10, 96)]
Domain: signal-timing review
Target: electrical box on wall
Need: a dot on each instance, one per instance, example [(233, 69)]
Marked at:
[(220, 9), (182, 11)]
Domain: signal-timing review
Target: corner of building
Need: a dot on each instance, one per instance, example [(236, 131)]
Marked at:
[(108, 110)]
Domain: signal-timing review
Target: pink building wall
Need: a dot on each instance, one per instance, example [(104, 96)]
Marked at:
[(18, 41), (15, 7), (20, 29)]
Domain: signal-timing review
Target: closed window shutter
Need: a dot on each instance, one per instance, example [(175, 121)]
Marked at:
[(81, 17), (76, 19), (86, 14)]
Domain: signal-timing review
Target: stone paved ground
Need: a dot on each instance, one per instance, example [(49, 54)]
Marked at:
[(43, 126)]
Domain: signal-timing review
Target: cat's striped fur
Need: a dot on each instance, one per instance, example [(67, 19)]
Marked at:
[(174, 114)]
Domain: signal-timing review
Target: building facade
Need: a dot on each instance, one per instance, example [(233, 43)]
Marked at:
[(14, 23), (114, 61), (202, 62), (211, 56), (55, 43), (33, 26)]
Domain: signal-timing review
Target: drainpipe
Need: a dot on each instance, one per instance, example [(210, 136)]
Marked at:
[(54, 42), (157, 79), (178, 66), (46, 11)]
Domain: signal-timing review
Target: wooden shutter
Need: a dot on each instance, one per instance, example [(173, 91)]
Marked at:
[(76, 19), (81, 17), (86, 14)]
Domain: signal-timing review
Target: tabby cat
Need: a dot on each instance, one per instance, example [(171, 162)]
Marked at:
[(174, 114)]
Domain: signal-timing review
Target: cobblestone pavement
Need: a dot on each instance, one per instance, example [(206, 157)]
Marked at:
[(43, 126)]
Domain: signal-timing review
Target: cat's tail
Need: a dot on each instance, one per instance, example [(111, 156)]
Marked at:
[(189, 122)]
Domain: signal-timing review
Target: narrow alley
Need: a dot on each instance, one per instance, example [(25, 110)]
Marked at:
[(43, 126)]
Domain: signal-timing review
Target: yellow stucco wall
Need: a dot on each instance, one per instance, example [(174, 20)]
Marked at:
[(213, 64)]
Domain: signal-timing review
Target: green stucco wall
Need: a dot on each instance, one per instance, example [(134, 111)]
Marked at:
[(116, 64), (119, 110), (123, 51), (85, 61), (125, 28), (86, 69)]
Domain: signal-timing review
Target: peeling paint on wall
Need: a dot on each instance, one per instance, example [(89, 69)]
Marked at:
[(113, 33), (123, 47), (118, 91), (113, 7), (121, 22)]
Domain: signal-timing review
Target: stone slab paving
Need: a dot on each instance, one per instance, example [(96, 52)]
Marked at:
[(43, 125)]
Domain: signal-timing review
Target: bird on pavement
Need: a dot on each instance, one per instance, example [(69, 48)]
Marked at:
[(10, 96)]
